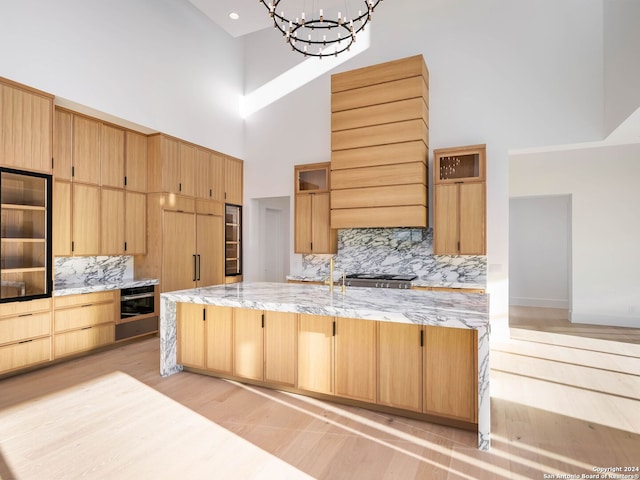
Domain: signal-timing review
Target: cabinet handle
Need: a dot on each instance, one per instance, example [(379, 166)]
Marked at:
[(125, 180), (204, 314), (263, 320), (199, 265), (86, 328), (25, 315), (180, 187), (334, 328), (73, 171), (25, 341), (125, 246), (87, 305), (422, 338), (194, 268), (210, 192)]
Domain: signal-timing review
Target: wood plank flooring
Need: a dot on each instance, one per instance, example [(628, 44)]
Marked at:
[(556, 408)]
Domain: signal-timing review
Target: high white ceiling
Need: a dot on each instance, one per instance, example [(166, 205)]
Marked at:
[(254, 16)]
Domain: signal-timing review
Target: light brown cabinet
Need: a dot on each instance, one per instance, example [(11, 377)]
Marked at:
[(25, 334), (400, 365), (26, 117), (451, 373), (280, 348), (135, 162), (185, 242), (76, 219), (265, 346), (356, 359), (233, 180), (112, 156), (425, 370), (205, 337), (209, 175), (86, 150), (313, 233), (123, 222), (163, 166), (85, 223), (248, 343), (459, 201), (187, 177), (316, 352), (84, 322)]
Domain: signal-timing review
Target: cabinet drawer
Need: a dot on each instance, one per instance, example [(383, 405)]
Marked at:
[(383, 175), (86, 316), (20, 308), (21, 355), (30, 325), (84, 299), (82, 340)]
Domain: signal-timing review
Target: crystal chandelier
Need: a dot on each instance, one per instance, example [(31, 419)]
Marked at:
[(311, 32)]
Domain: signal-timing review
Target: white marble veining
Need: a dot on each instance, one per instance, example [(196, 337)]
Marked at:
[(396, 251), (74, 275), (446, 309)]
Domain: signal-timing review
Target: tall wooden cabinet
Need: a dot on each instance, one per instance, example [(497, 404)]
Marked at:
[(313, 232), (26, 120), (100, 187), (459, 201), (186, 242)]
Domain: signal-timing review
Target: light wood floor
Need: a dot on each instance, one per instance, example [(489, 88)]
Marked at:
[(556, 408), (556, 320)]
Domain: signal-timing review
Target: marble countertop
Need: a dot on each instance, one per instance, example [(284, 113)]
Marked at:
[(88, 287), (452, 309), (418, 282)]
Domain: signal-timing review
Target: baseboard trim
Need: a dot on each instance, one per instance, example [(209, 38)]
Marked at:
[(606, 320), (538, 302)]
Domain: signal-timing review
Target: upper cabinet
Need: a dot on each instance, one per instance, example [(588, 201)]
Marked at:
[(112, 155), (233, 180), (86, 150), (179, 167), (379, 145), (459, 201), (135, 178), (26, 127), (313, 233)]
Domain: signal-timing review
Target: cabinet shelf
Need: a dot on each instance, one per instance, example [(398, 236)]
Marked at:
[(23, 270), (15, 206), (22, 240)]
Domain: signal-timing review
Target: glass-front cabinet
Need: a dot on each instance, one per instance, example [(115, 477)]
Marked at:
[(233, 240), (25, 233)]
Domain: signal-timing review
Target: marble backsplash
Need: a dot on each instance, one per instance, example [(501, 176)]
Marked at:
[(396, 251), (87, 271)]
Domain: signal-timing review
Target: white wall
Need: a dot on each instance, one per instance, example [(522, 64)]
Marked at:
[(605, 222), (158, 63), (508, 73), (539, 251), (621, 60)]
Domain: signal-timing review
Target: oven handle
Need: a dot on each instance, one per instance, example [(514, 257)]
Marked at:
[(126, 298)]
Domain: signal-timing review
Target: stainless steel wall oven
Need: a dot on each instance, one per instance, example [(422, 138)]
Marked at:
[(138, 314)]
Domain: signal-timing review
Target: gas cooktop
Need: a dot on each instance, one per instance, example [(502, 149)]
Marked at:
[(379, 280)]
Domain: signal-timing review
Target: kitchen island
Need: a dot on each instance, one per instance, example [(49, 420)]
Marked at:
[(422, 310)]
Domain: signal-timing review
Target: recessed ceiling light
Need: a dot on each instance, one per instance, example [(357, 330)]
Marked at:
[(234, 16)]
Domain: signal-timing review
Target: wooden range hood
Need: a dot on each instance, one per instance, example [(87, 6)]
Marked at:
[(379, 145)]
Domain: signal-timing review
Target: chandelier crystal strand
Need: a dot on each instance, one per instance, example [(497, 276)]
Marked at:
[(319, 28)]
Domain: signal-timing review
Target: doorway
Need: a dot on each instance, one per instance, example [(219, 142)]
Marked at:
[(539, 263), (274, 233)]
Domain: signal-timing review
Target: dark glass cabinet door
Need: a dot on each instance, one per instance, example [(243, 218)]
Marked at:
[(25, 233), (233, 240)]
